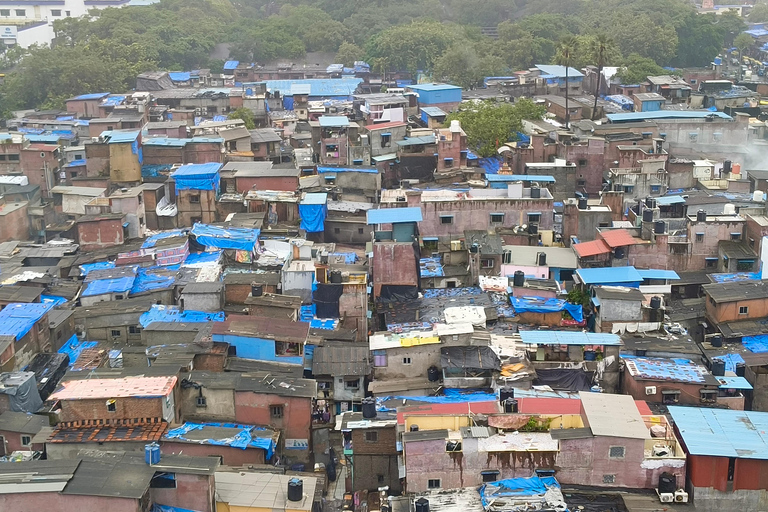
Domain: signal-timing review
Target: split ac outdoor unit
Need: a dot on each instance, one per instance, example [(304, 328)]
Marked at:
[(681, 496), (650, 390), (666, 497)]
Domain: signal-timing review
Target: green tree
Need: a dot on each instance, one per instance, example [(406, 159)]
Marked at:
[(699, 40), (564, 56), (489, 125), (459, 66), (244, 114), (730, 25), (636, 69), (410, 47), (601, 50), (743, 42), (759, 13), (349, 53)]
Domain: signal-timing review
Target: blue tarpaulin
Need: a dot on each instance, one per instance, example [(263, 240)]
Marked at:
[(52, 299), (162, 313), (86, 268), (539, 305), (246, 438), (197, 177), (313, 217), (74, 347), (450, 396), (167, 508), (179, 76), (534, 487), (104, 286), (731, 360), (146, 281), (490, 165), (735, 277), (153, 171), (17, 319), (202, 258), (757, 344), (431, 267), (152, 240), (242, 239)]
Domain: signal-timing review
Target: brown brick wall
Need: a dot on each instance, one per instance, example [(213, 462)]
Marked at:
[(126, 408), (386, 443)]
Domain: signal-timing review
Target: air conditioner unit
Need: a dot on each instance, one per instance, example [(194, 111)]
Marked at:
[(650, 390), (681, 496), (666, 497)]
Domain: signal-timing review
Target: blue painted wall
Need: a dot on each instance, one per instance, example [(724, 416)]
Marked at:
[(256, 348)]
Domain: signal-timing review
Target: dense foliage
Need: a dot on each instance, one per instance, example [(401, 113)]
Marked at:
[(443, 37)]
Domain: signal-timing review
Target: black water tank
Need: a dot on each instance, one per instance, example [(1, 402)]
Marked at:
[(647, 215), (535, 192), (542, 259), (716, 340), (433, 374), (369, 407), (741, 369), (618, 253), (667, 483), (701, 216), (422, 505), (295, 489), (659, 227), (727, 166), (335, 276), (510, 405), (650, 202), (718, 367), (518, 279), (505, 393), (257, 290), (533, 229), (655, 302), (582, 203)]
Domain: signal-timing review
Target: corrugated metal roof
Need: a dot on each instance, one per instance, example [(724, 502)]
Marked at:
[(315, 198), (609, 275), (117, 137), (519, 177), (665, 114), (658, 274), (318, 87), (333, 121), (618, 238), (613, 415), (734, 383), (392, 215), (434, 111), (722, 432), (434, 87), (569, 338), (557, 71), (670, 200), (592, 248), (139, 386), (341, 359)]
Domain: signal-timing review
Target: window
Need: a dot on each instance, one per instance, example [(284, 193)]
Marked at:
[(66, 12), (744, 265), (609, 479), (486, 263), (669, 396), (711, 262), (582, 162), (372, 436), (433, 483), (56, 12), (655, 189), (699, 237), (351, 383), (380, 479), (497, 218), (21, 12), (111, 405), (116, 333), (58, 335), (628, 189), (380, 358), (5, 12), (743, 310), (13, 158), (336, 231), (736, 236), (276, 411), (134, 329), (73, 174), (616, 452), (581, 183), (534, 218), (406, 360), (163, 480), (448, 161), (386, 140), (26, 440), (119, 297), (490, 476), (446, 219), (708, 395), (195, 199), (752, 243)]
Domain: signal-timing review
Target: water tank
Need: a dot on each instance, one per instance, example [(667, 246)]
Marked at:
[(533, 229), (582, 203), (729, 209), (650, 202), (369, 407), (335, 276), (518, 279), (505, 393), (736, 169), (541, 259), (667, 483), (433, 374), (510, 405), (701, 216), (726, 166), (618, 253), (647, 215), (455, 126), (741, 369), (718, 367), (152, 453), (757, 195), (295, 489), (716, 340), (414, 428), (655, 302), (249, 91), (257, 290), (422, 505), (535, 192), (659, 227)]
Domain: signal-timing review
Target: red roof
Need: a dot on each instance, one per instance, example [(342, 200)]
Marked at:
[(592, 248), (448, 409), (379, 126), (618, 238), (530, 405)]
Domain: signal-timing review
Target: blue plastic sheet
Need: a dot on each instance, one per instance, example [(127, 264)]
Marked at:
[(731, 360), (197, 177), (74, 347), (17, 319), (735, 277), (539, 305), (243, 440), (167, 508), (757, 344), (104, 286), (450, 396), (52, 299), (99, 265), (490, 165), (516, 487), (313, 217), (162, 313), (431, 267), (196, 258), (146, 280), (152, 240), (242, 239)]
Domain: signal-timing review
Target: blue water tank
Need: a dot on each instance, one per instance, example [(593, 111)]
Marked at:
[(249, 92), (152, 453)]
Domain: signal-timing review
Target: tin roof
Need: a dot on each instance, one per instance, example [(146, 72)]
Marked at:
[(618, 238), (608, 275), (393, 215), (593, 248), (722, 432), (136, 387), (569, 338)]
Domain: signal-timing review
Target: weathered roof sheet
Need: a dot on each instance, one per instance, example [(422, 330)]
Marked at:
[(88, 389), (393, 215), (592, 248), (722, 432), (613, 415), (569, 338), (341, 359), (618, 238), (608, 275)]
